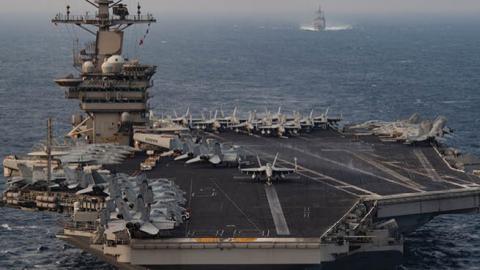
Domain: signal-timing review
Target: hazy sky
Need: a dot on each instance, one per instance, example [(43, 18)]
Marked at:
[(246, 7)]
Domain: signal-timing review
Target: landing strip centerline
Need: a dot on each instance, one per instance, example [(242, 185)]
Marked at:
[(276, 210)]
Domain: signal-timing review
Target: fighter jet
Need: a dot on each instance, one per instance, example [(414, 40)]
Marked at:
[(276, 117), (106, 154), (210, 124), (249, 125), (175, 147), (272, 125), (292, 126), (189, 149), (228, 121), (183, 120), (325, 120), (435, 133), (380, 125), (306, 123), (269, 171), (409, 131), (96, 184), (216, 153), (145, 207)]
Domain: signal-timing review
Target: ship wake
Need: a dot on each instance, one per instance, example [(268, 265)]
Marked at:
[(329, 28)]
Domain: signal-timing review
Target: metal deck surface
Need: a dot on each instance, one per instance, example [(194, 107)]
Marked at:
[(335, 171)]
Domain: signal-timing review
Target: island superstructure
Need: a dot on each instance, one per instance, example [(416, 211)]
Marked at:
[(316, 193), (112, 90)]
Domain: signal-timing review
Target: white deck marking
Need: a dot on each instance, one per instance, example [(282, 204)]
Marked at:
[(318, 177), (322, 178), (386, 170), (404, 168), (277, 211), (356, 169), (432, 173)]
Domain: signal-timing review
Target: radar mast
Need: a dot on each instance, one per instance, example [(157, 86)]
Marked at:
[(320, 23)]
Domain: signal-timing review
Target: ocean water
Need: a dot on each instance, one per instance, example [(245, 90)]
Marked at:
[(362, 70)]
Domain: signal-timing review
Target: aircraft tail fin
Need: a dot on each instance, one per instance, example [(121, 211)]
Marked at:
[(217, 149), (222, 113), (194, 160), (259, 162), (215, 160), (98, 178), (25, 171), (70, 175), (140, 208)]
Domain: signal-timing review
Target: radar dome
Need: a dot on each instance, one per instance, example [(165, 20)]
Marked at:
[(88, 67), (117, 61), (107, 67), (125, 117)]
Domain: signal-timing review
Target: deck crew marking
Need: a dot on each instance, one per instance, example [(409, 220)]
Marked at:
[(277, 211), (236, 206), (432, 173)]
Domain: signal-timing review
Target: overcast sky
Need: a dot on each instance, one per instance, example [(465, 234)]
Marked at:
[(249, 7)]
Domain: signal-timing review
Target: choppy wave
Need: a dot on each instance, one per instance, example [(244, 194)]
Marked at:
[(6, 227), (329, 28)]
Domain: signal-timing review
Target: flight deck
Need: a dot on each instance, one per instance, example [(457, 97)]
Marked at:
[(335, 170)]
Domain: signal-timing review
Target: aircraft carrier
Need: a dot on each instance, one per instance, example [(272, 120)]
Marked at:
[(328, 195)]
